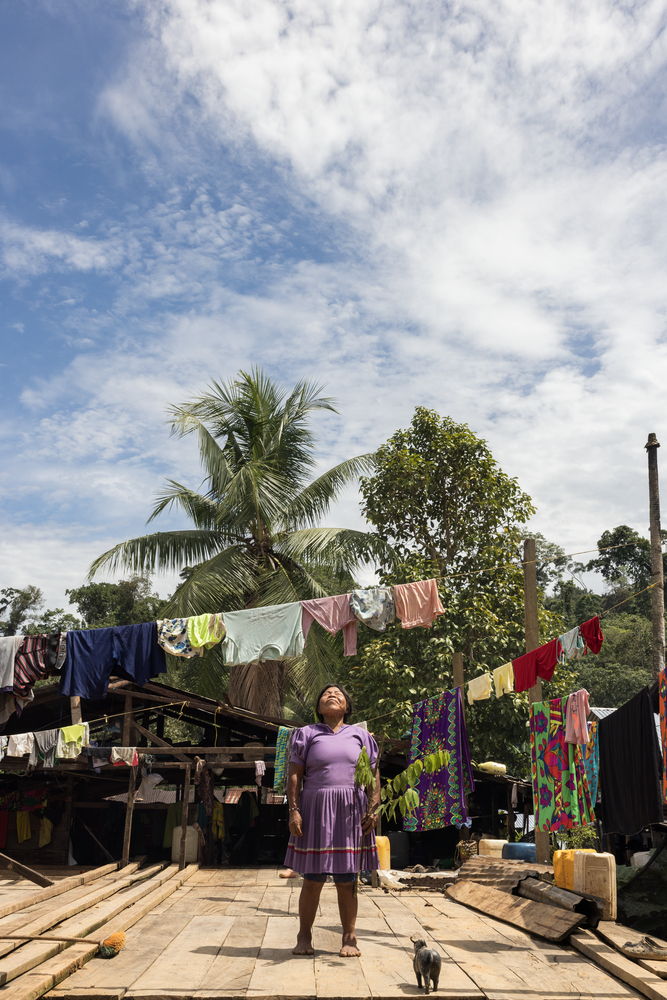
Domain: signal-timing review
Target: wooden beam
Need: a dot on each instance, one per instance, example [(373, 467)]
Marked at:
[(56, 889), (126, 738), (184, 815), (163, 746), (75, 710), (535, 918), (624, 969), (23, 870), (129, 810)]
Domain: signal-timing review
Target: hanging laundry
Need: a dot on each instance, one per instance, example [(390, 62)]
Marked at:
[(503, 679), (44, 748), (52, 648), (9, 646), (62, 652), (206, 789), (479, 688), (439, 724), (592, 634), (20, 744), (417, 603), (205, 631), (662, 699), (333, 614), (374, 607), (23, 828), (630, 790), (30, 663), (270, 633), (280, 765), (171, 821), (577, 711), (45, 832), (71, 740), (218, 821), (540, 662), (4, 740), (260, 771), (592, 760), (131, 651), (561, 795), (124, 755), (572, 645), (172, 635)]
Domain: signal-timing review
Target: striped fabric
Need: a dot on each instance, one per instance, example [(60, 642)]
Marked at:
[(30, 663)]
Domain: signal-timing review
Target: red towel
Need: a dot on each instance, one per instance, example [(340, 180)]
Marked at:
[(592, 634), (540, 662)]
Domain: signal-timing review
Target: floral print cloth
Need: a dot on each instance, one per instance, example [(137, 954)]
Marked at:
[(374, 607), (592, 760), (172, 635), (439, 724), (562, 798)]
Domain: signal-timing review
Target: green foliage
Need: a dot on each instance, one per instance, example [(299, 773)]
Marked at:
[(574, 604), (623, 665), (17, 606), (438, 496), (255, 537), (129, 602), (578, 839), (624, 561), (398, 794)]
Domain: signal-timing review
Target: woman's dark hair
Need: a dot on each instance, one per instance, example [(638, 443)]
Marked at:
[(340, 687)]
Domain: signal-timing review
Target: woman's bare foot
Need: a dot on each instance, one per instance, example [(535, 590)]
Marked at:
[(303, 946), (349, 947)]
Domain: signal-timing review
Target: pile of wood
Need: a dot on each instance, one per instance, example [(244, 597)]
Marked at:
[(92, 905)]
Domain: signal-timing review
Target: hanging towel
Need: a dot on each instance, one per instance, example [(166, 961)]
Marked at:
[(280, 766), (630, 792), (561, 794), (45, 831), (23, 829), (45, 746), (503, 679), (94, 654), (172, 635), (576, 718), (218, 821), (4, 740), (540, 662), (72, 740), (270, 633), (592, 760), (9, 646), (374, 607), (20, 744), (205, 631), (573, 645), (124, 755), (592, 634), (439, 724), (479, 688), (260, 771), (333, 614), (417, 603)]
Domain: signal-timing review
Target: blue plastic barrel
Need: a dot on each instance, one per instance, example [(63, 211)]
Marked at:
[(520, 852)]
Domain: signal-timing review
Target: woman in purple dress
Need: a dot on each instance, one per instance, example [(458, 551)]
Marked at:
[(332, 823)]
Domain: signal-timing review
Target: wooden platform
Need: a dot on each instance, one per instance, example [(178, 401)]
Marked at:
[(229, 933)]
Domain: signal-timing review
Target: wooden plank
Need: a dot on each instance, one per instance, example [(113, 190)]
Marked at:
[(623, 968), (24, 871), (233, 966), (276, 966), (159, 744), (129, 810), (72, 907), (186, 962), (57, 889), (38, 981), (617, 935), (536, 918), (146, 940), (335, 976)]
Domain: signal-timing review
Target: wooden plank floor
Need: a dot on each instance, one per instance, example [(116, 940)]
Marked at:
[(229, 933)]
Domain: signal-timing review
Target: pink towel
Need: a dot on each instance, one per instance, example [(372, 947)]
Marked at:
[(333, 614), (576, 714), (417, 603)]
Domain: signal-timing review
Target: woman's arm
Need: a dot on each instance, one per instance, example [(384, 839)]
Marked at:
[(294, 779), (370, 819)]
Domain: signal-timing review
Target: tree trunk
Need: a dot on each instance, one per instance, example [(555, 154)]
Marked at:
[(258, 687)]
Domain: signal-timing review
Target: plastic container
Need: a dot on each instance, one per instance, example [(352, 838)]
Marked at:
[(564, 867), (492, 767), (492, 848), (596, 874), (520, 852), (384, 853), (640, 858), (191, 845)]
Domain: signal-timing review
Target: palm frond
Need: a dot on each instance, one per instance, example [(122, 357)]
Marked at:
[(341, 550), (163, 550), (203, 510), (313, 502), (185, 420), (222, 583)]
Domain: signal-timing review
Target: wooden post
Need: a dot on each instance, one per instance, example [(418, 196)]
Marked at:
[(657, 573), (127, 834), (184, 815), (457, 669), (532, 637), (75, 710), (126, 737)]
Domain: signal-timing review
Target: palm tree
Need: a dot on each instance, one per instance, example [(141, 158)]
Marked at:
[(256, 538)]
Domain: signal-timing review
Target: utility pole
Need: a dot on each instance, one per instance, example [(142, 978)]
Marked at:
[(457, 670), (657, 573), (532, 636)]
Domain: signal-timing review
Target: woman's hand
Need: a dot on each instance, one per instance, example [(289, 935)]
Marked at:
[(295, 827), (368, 822)]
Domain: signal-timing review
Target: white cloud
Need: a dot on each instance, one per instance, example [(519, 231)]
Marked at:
[(27, 251)]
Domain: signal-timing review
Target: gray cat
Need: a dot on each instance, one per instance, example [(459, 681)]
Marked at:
[(426, 964)]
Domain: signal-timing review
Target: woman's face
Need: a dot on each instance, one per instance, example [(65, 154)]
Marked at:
[(332, 700)]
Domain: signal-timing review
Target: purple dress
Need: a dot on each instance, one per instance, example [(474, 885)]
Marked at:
[(332, 806)]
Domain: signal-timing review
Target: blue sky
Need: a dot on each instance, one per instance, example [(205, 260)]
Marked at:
[(438, 204)]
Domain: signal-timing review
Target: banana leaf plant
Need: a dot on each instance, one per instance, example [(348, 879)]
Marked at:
[(398, 794)]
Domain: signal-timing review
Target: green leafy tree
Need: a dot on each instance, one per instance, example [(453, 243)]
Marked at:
[(52, 620), (128, 602), (256, 537), (440, 499), (575, 604), (623, 665), (624, 561), (17, 606)]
